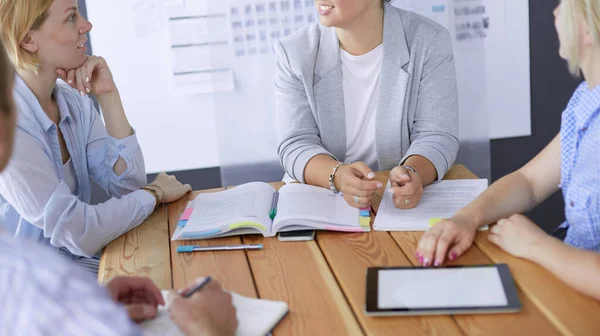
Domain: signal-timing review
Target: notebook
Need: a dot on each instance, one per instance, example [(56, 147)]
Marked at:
[(440, 200), (259, 208), (255, 317)]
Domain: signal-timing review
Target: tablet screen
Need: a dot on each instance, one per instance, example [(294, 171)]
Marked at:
[(440, 288)]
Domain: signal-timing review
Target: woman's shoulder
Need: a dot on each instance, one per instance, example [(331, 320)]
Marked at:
[(417, 26), (301, 41)]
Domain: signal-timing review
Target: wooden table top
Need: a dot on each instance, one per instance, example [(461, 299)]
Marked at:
[(323, 281)]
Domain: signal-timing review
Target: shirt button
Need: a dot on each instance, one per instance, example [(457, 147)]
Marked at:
[(572, 204), (583, 129)]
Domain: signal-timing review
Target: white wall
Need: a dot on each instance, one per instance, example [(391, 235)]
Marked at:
[(176, 131)]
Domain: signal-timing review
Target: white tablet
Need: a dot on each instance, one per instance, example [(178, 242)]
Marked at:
[(441, 291)]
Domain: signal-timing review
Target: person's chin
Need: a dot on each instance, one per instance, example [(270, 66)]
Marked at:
[(328, 21)]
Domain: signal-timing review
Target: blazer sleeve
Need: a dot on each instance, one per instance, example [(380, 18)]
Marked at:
[(435, 128), (298, 137)]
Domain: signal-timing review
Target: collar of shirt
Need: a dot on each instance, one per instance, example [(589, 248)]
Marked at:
[(34, 105)]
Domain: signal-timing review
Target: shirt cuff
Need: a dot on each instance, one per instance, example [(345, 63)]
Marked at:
[(432, 154), (146, 201), (125, 146)]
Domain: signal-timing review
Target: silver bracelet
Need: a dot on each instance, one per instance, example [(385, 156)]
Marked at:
[(411, 169), (332, 178)]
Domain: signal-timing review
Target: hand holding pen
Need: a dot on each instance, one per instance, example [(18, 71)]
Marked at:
[(203, 308)]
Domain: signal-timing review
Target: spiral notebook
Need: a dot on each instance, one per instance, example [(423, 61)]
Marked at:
[(256, 317)]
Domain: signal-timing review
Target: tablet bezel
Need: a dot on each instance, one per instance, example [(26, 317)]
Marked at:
[(372, 294)]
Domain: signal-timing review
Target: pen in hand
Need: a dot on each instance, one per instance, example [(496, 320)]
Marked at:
[(186, 293)]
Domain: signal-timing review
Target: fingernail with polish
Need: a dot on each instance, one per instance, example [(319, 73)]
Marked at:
[(87, 79), (421, 260), (426, 262), (371, 175), (81, 93), (379, 185), (437, 263), (70, 81), (88, 90), (453, 256), (417, 255)]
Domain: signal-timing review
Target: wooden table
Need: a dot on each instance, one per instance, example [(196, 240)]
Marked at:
[(323, 281)]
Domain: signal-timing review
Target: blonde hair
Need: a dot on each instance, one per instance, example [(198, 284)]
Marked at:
[(570, 13), (17, 18)]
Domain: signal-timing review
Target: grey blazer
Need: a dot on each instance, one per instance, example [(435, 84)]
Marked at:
[(417, 60)]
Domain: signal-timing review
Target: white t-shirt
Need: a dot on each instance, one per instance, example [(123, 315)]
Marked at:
[(360, 76)]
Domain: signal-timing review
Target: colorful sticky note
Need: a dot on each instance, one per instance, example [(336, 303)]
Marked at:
[(365, 213), (433, 221), (182, 223), (187, 214), (365, 222)]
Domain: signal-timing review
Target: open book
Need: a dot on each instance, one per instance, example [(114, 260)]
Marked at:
[(255, 317), (257, 207), (440, 200)]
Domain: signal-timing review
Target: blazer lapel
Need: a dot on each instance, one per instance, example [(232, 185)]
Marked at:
[(393, 82), (329, 94)]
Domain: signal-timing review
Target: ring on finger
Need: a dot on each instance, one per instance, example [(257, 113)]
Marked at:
[(356, 199), (406, 201)]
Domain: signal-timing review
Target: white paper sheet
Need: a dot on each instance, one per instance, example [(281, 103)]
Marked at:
[(440, 200)]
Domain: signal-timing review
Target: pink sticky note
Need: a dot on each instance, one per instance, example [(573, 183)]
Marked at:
[(187, 214)]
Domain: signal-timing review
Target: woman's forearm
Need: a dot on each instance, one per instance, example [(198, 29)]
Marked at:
[(318, 169), (510, 195), (115, 119), (116, 122), (424, 168), (577, 268)]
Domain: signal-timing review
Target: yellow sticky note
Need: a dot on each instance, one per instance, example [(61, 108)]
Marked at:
[(433, 221), (365, 221), (247, 224)]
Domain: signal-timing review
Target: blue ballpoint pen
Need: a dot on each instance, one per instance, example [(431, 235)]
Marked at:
[(196, 248)]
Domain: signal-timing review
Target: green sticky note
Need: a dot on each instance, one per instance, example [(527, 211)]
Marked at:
[(433, 221)]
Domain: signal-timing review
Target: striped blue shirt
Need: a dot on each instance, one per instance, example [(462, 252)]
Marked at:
[(41, 293), (580, 168)]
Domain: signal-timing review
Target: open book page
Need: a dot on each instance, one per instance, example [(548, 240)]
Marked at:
[(302, 204), (245, 206), (255, 317), (440, 200)]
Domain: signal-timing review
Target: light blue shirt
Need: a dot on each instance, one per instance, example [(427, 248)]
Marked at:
[(43, 294), (580, 168), (36, 201)]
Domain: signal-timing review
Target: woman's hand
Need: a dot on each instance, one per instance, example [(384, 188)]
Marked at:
[(169, 188), (353, 180), (517, 235), (407, 188), (449, 239), (93, 77), (139, 295)]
